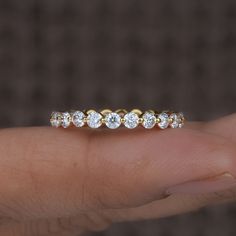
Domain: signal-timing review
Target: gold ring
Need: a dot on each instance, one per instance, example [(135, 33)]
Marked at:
[(115, 119)]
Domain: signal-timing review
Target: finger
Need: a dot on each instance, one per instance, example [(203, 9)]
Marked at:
[(225, 126), (45, 227), (181, 203), (54, 172), (173, 205)]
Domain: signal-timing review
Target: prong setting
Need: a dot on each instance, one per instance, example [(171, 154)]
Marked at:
[(113, 120), (78, 118), (149, 120), (94, 119), (131, 120), (65, 119)]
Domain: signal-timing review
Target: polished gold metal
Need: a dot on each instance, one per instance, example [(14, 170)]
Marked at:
[(89, 111), (105, 111), (140, 120), (122, 120), (137, 111), (121, 111)]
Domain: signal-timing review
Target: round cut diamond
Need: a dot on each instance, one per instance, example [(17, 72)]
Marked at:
[(131, 120), (113, 120), (55, 119), (163, 120), (149, 120), (94, 120), (65, 119), (177, 120), (78, 118)]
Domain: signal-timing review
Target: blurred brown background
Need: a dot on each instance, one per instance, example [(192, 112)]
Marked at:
[(62, 54)]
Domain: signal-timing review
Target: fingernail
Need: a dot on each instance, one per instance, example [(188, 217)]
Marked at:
[(209, 185)]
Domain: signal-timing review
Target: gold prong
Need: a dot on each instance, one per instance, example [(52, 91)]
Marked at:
[(140, 120)]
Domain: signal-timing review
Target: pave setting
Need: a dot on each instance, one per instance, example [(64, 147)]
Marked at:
[(112, 120), (94, 119)]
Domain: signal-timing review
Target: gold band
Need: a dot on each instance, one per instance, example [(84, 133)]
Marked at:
[(112, 120)]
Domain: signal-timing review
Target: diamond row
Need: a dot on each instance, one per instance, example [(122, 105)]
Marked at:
[(113, 120)]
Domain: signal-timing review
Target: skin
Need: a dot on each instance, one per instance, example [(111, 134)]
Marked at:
[(66, 182)]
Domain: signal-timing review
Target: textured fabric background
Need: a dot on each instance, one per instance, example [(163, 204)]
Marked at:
[(61, 54)]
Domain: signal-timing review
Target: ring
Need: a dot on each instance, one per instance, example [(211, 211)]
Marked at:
[(114, 119)]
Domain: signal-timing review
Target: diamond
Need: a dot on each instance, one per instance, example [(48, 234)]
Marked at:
[(131, 120), (94, 120), (65, 119), (164, 120), (78, 118), (55, 119), (113, 120), (177, 120), (149, 120)]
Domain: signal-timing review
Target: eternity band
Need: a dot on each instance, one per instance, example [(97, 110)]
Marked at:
[(112, 120)]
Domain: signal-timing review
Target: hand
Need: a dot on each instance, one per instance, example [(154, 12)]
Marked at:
[(65, 182)]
